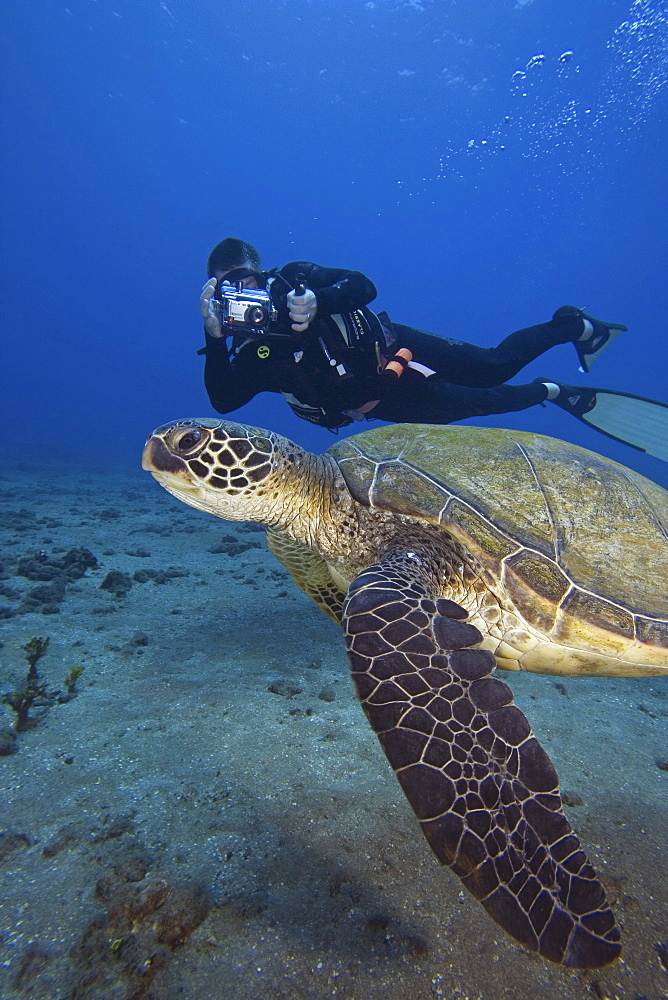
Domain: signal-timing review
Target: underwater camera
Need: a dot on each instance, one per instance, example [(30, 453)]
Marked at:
[(243, 310)]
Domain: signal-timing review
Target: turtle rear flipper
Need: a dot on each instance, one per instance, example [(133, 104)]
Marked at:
[(484, 790)]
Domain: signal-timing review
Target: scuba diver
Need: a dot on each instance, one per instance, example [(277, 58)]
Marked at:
[(306, 331)]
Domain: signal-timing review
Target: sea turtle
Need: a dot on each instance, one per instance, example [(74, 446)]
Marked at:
[(557, 557)]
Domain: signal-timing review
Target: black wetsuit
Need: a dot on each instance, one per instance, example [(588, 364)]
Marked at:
[(329, 373)]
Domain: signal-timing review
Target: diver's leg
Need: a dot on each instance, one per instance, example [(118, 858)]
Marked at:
[(418, 400), (467, 364), (471, 365)]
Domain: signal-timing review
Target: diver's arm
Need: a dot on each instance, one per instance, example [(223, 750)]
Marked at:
[(227, 388), (337, 290)]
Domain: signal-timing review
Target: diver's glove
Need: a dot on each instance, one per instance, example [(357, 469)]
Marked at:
[(302, 309), (208, 311), (596, 337)]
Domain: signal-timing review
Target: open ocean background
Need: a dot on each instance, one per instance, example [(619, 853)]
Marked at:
[(391, 137)]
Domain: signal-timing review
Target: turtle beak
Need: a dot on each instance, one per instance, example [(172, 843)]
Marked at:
[(170, 471), (157, 457)]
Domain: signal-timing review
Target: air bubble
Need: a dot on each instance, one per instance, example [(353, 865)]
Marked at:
[(558, 107)]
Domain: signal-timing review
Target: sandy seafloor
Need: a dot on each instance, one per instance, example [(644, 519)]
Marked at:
[(211, 816)]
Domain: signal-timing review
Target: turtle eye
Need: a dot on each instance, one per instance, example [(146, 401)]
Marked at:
[(186, 440)]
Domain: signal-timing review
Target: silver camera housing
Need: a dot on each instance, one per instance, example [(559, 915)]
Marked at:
[(244, 310)]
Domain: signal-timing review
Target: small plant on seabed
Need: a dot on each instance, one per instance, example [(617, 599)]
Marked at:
[(32, 691), (71, 678)]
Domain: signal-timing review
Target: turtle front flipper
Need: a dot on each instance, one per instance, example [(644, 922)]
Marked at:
[(484, 790)]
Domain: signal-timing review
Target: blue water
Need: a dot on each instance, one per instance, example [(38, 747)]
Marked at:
[(483, 163), (387, 136)]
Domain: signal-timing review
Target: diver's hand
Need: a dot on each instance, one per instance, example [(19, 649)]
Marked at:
[(207, 308), (302, 309)]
